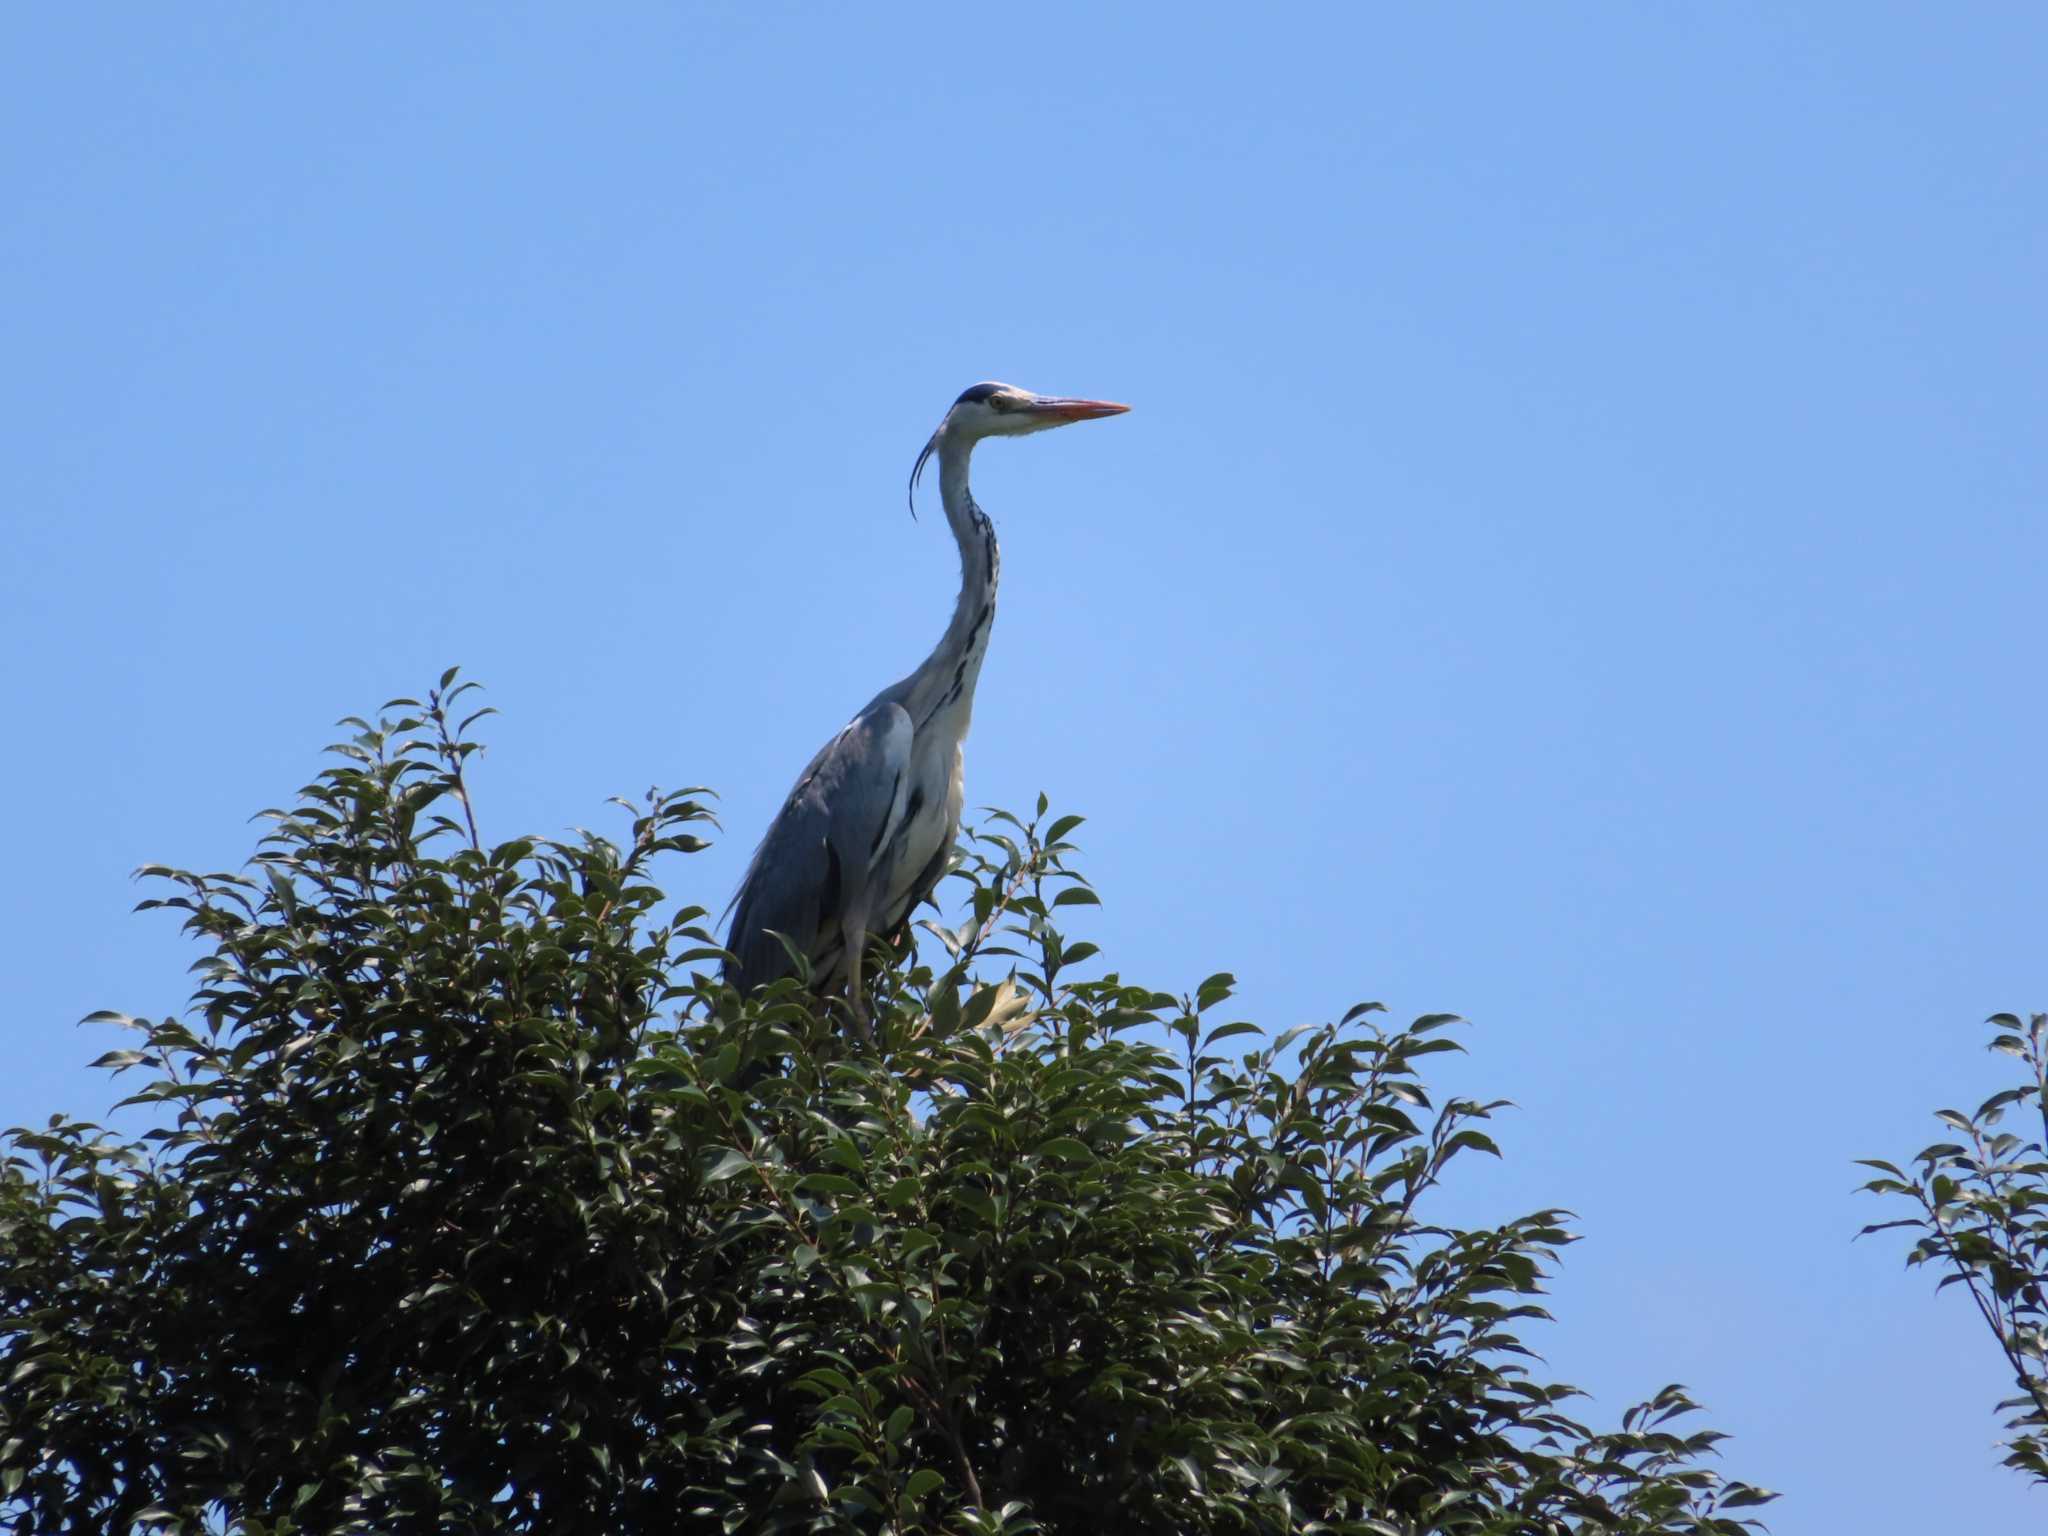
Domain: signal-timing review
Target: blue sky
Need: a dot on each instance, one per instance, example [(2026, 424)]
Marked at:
[(1575, 559)]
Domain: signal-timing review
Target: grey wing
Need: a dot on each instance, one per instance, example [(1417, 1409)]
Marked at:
[(814, 867)]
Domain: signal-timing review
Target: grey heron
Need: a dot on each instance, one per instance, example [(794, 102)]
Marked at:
[(868, 829)]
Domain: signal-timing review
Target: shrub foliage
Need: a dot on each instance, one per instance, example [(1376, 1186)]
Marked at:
[(1980, 1205), (475, 1202)]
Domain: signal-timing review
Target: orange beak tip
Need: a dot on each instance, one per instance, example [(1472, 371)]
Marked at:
[(1080, 410)]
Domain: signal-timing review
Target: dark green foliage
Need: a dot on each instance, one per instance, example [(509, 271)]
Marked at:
[(1981, 1209), (478, 1204)]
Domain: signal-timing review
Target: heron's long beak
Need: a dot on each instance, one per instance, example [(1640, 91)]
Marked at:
[(1053, 409)]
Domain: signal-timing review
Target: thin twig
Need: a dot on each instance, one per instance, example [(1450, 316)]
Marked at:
[(437, 711)]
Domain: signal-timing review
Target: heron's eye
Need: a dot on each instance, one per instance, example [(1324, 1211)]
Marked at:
[(1000, 402)]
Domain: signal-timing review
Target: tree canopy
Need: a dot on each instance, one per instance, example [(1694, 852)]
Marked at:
[(470, 1199), (1979, 1199)]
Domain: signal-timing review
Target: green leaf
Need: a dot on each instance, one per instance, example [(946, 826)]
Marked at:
[(1226, 1031), (1058, 831), (730, 1162), (827, 1184)]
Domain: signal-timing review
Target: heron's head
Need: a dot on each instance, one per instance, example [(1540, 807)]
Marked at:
[(1004, 410)]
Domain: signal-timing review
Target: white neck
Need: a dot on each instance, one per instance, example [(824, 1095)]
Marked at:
[(944, 684)]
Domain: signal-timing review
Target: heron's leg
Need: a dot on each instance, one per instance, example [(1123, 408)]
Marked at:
[(854, 936)]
